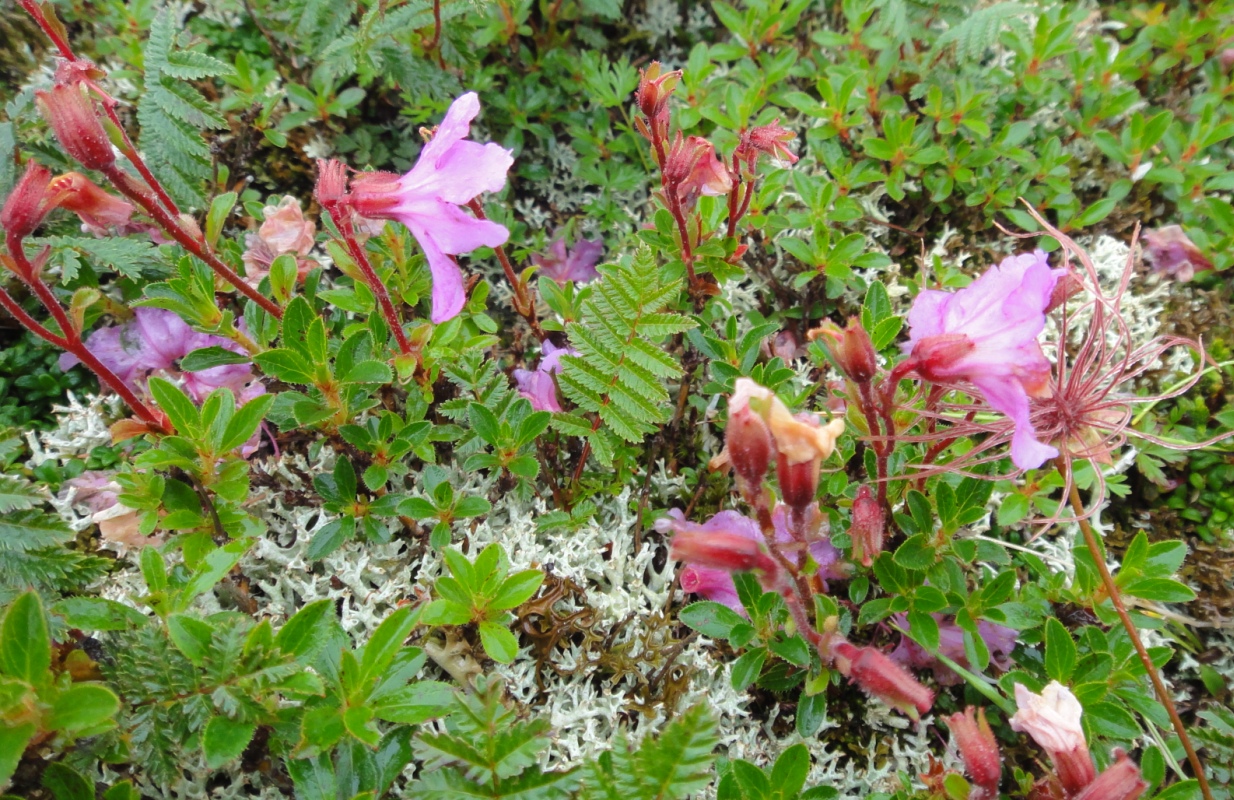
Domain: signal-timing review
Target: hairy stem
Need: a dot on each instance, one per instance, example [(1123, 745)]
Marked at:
[(1163, 695), (342, 221)]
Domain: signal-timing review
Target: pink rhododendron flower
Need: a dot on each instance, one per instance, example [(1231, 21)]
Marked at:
[(450, 172), (537, 385), (285, 230), (578, 265), (153, 342), (999, 641), (1052, 718), (986, 335), (1173, 253)]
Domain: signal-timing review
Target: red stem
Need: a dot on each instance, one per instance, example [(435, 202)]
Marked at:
[(172, 227), (71, 340), (32, 8), (342, 221), (524, 302)]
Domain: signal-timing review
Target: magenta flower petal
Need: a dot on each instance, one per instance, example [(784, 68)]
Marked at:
[(452, 230), (715, 585), (448, 293), (1008, 396), (538, 387), (461, 173), (986, 334)]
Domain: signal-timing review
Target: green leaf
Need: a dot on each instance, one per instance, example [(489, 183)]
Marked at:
[(386, 641), (225, 739), (303, 634), (286, 365), (746, 669), (13, 741), (710, 619), (414, 703), (1060, 651), (244, 422), (1112, 720), (794, 650), (811, 711), (915, 553), (97, 614), (210, 357), (498, 642), (330, 537), (25, 644), (177, 405), (191, 636), (369, 372), (517, 589), (791, 769), (66, 783), (83, 706), (358, 720), (213, 568), (1163, 590), (485, 423)]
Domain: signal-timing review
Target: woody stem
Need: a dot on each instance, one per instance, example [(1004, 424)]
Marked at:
[(172, 227), (71, 339), (1163, 695)]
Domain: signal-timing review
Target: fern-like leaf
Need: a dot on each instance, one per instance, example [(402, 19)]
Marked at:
[(979, 31), (621, 368), (671, 766), (129, 257), (17, 495), (173, 113)]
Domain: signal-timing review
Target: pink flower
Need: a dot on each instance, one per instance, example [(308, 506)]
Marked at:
[(1174, 254), (450, 172), (285, 230), (999, 641), (578, 265), (1121, 781), (537, 385), (100, 213), (1052, 718), (154, 341), (986, 334)]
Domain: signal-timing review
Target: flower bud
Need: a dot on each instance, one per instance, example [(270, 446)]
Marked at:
[(851, 348), (881, 677), (719, 550), (76, 123), (705, 174), (28, 203), (798, 482), (867, 528), (654, 89), (770, 140), (747, 437), (1122, 781), (971, 734)]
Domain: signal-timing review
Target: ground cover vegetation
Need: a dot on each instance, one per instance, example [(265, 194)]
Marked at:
[(597, 399)]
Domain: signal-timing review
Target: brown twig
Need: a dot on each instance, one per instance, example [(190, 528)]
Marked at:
[(1163, 695)]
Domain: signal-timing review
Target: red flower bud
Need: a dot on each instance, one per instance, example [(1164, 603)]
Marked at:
[(1122, 781), (28, 203), (748, 441), (770, 140), (76, 123), (971, 734), (726, 551), (881, 677), (867, 528), (654, 89), (851, 348), (798, 482)]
